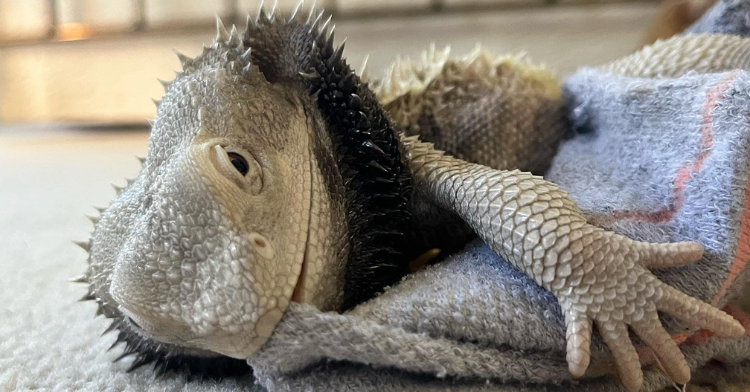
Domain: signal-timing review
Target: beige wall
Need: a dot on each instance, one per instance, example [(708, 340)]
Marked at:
[(23, 19), (113, 80), (101, 14)]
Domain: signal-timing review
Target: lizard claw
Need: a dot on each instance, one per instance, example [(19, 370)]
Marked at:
[(626, 358), (670, 254), (610, 285), (578, 337)]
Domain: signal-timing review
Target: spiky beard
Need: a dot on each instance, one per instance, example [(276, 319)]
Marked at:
[(165, 358), (169, 358)]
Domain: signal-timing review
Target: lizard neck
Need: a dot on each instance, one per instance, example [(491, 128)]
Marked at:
[(377, 183)]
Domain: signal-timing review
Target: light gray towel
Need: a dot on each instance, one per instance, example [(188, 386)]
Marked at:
[(665, 160), (661, 160), (731, 17)]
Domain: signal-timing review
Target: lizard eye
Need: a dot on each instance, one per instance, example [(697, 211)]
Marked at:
[(239, 162), (239, 166)]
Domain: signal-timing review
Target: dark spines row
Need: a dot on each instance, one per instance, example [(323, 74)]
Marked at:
[(377, 180), (165, 358), (367, 146)]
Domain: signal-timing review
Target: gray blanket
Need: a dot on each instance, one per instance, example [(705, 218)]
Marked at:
[(731, 17), (655, 159), (470, 323)]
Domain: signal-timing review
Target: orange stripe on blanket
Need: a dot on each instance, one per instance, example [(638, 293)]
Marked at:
[(742, 253), (686, 172)]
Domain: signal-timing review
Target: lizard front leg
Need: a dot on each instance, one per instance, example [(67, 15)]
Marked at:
[(597, 276)]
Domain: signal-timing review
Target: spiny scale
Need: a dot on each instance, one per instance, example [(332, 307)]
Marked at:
[(87, 297), (111, 328), (363, 74), (296, 10), (185, 61), (221, 31), (165, 359), (85, 245), (272, 15), (79, 279)]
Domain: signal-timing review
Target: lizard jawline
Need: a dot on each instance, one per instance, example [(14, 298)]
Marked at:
[(299, 289), (298, 295)]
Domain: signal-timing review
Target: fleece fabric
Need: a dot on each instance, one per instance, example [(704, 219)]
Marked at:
[(731, 17)]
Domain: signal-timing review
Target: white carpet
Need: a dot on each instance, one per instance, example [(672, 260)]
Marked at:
[(48, 341)]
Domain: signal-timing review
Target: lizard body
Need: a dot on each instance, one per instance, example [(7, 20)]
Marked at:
[(274, 174)]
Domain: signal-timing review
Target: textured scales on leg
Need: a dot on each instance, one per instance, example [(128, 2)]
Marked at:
[(673, 57), (596, 275), (502, 111)]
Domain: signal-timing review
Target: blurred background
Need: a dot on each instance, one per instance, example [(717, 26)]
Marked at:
[(95, 62)]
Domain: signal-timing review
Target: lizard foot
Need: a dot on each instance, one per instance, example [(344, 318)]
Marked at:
[(598, 277), (610, 285)]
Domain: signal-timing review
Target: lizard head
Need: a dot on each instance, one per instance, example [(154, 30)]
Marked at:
[(272, 176)]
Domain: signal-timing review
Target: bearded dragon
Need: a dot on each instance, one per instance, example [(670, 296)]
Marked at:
[(274, 174)]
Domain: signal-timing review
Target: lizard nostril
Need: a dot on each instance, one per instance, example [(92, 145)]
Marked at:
[(262, 245)]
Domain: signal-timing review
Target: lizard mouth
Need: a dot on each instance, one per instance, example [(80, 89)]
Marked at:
[(299, 289), (298, 295)]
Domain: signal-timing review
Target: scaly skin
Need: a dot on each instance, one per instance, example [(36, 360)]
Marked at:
[(596, 275), (274, 175), (501, 111), (676, 56)]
